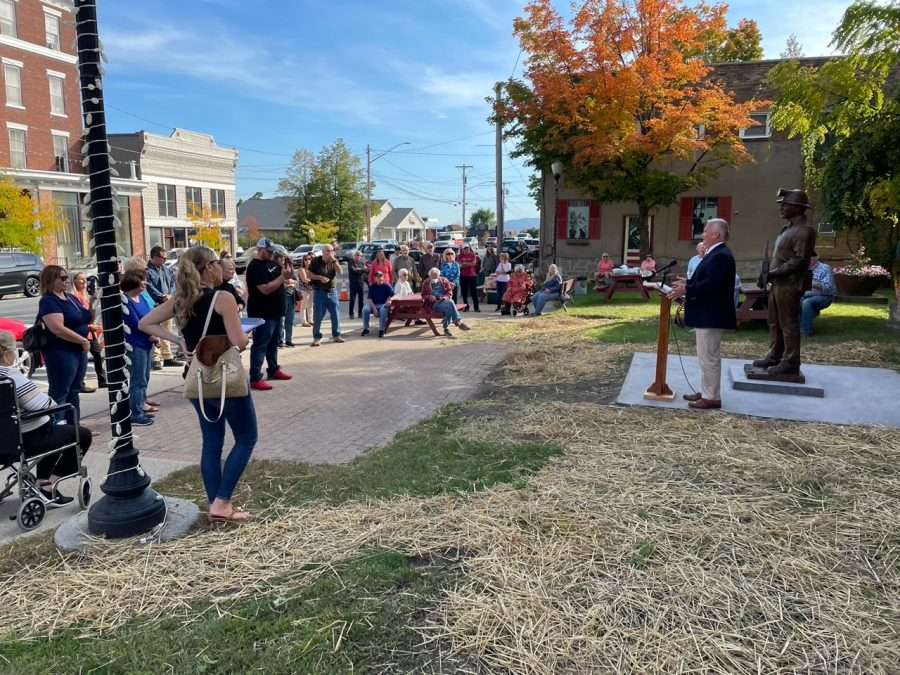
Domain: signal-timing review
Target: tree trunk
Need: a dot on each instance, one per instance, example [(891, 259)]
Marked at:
[(644, 219)]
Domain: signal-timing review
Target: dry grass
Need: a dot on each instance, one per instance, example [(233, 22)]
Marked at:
[(661, 542)]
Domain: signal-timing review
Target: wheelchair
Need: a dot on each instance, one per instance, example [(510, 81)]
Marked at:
[(22, 476)]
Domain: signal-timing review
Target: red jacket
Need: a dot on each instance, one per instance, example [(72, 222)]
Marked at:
[(468, 264), (385, 267)]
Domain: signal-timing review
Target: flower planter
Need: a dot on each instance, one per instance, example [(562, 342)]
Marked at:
[(849, 284)]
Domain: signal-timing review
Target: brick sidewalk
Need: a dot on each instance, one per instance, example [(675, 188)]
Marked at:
[(343, 400)]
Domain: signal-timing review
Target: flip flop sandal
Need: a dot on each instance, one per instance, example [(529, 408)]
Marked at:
[(237, 515)]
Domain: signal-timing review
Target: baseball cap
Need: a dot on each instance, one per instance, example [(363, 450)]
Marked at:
[(266, 243)]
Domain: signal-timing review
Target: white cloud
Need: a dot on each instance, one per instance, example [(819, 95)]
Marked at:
[(458, 90)]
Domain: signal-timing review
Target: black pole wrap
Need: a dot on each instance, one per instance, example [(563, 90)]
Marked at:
[(129, 506)]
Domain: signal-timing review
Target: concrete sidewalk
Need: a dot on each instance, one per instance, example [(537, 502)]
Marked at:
[(344, 399)]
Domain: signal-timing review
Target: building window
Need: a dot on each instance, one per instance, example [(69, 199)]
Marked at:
[(826, 228), (166, 194), (12, 76), (51, 28), (704, 209), (8, 18), (194, 198), (17, 150), (57, 95), (578, 217), (71, 240), (61, 152), (762, 129), (123, 225), (217, 203)]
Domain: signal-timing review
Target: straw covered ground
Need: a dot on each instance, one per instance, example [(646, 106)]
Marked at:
[(662, 543)]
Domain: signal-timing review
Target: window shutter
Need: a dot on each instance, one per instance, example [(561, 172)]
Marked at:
[(562, 218), (724, 209), (594, 221), (686, 219)]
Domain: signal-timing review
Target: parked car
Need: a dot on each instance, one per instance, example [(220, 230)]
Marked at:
[(441, 246), (26, 362), (20, 272), (389, 245), (299, 253), (241, 261), (348, 248), (517, 250), (491, 241), (173, 255), (472, 242), (534, 246)]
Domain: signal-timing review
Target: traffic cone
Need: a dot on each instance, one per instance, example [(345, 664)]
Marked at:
[(345, 290)]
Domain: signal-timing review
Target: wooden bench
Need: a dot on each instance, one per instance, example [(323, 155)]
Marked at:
[(753, 304), (632, 283), (412, 308)]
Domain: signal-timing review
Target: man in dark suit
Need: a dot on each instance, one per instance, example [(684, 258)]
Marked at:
[(709, 309)]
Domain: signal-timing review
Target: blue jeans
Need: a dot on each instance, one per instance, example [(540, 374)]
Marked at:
[(240, 415), (140, 377), (541, 298), (65, 373), (264, 347), (383, 312), (326, 301), (501, 290), (810, 307), (289, 301), (448, 309)]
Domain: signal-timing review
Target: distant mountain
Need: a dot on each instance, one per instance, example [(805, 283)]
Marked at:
[(519, 224)]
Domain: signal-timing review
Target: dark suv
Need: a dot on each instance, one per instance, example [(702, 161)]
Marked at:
[(20, 273)]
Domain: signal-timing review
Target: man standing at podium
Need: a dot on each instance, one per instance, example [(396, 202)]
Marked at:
[(709, 309)]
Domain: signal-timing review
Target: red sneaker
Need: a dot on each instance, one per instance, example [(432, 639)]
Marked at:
[(261, 385), (280, 375)]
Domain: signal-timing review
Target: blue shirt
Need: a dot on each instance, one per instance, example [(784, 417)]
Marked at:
[(450, 271), (138, 339), (75, 318), (821, 274), (553, 284), (693, 263), (380, 293)]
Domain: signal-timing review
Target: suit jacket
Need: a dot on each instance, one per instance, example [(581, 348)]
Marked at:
[(790, 259), (709, 300)]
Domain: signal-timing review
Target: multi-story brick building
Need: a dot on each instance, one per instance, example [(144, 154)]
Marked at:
[(743, 195), (41, 127), (185, 174)]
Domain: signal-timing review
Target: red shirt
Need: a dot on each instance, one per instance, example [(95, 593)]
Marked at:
[(468, 264), (385, 267)]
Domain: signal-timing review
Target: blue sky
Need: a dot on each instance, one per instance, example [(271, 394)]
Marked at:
[(272, 76)]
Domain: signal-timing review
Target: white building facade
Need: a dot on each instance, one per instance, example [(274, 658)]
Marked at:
[(188, 177)]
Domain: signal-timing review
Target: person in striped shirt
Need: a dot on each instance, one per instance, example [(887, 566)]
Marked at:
[(40, 434)]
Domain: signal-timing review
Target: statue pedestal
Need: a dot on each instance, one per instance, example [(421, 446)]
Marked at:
[(758, 380)]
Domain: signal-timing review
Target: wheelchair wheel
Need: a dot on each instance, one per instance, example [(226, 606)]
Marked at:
[(84, 493), (31, 513)]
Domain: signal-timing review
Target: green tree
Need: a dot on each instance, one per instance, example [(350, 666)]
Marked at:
[(792, 48), (847, 114), (481, 222), (23, 225), (742, 43), (326, 188)]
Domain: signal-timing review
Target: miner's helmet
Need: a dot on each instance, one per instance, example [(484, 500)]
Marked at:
[(796, 197)]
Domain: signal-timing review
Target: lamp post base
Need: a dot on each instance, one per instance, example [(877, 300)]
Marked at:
[(121, 517)]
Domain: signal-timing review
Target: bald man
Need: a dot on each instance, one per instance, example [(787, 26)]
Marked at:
[(709, 309)]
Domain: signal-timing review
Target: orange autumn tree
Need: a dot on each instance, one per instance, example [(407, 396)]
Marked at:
[(622, 96)]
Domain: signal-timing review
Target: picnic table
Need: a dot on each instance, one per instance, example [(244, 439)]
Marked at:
[(753, 304), (631, 283), (411, 308)]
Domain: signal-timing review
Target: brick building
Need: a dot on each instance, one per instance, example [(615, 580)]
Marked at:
[(41, 135), (743, 195)]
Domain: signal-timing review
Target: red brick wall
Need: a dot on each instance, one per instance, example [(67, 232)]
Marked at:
[(36, 92), (138, 243)]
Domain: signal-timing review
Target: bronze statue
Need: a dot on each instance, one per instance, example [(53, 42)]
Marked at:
[(789, 277)]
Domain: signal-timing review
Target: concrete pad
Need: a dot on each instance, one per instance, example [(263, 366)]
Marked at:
[(181, 515), (852, 395)]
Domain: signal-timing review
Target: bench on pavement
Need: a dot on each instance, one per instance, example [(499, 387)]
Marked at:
[(412, 308)]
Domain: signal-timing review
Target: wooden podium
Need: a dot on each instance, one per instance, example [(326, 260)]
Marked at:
[(659, 390)]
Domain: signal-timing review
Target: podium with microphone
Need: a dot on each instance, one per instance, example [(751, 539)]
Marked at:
[(660, 390)]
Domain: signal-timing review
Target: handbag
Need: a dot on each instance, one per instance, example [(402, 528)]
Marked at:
[(216, 370), (35, 338)]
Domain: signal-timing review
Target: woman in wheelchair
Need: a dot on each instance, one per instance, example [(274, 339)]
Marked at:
[(41, 435)]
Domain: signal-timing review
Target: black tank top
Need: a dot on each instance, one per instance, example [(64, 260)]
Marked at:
[(194, 327)]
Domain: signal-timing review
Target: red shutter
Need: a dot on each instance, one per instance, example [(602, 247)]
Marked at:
[(562, 218), (724, 210), (594, 221), (686, 219)]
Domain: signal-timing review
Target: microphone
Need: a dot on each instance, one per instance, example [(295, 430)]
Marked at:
[(662, 270)]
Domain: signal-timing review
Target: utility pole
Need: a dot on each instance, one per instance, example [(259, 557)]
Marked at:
[(368, 192), (464, 167), (499, 171)]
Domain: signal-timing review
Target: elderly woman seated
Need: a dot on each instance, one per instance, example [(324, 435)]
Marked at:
[(437, 296), (604, 270), (519, 290), (40, 434), (552, 290), (648, 266)]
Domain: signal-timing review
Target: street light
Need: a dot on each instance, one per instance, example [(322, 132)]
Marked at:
[(369, 160), (557, 169)]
